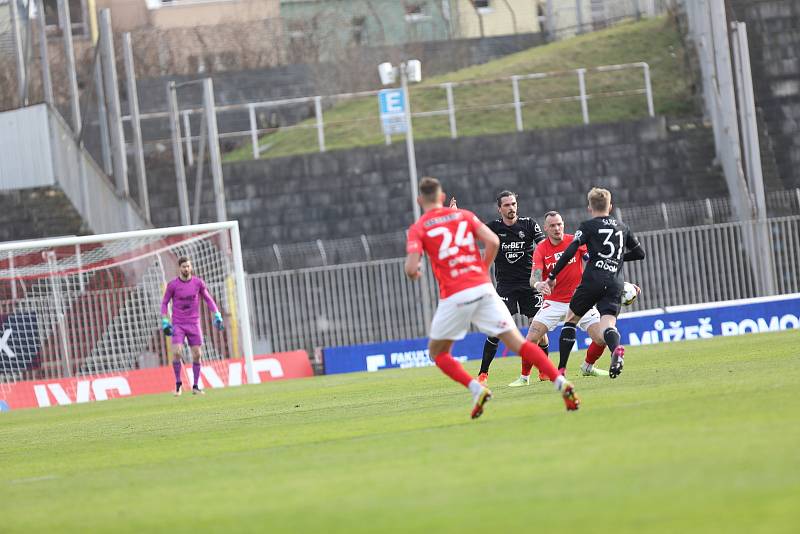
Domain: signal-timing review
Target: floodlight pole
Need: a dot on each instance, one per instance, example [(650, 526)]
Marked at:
[(412, 157), (412, 177)]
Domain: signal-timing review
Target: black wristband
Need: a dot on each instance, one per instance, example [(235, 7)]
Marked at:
[(551, 276)]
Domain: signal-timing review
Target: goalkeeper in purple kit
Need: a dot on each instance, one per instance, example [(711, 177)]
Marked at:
[(185, 292)]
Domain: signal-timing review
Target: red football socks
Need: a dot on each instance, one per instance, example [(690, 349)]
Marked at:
[(452, 368), (535, 356), (526, 367), (594, 352)]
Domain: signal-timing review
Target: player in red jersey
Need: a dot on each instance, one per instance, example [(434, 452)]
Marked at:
[(556, 302), (466, 294)]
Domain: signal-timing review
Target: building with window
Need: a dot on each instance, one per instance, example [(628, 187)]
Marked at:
[(336, 24), (486, 18), (127, 15)]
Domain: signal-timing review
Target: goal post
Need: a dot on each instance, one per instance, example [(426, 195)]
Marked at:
[(91, 305)]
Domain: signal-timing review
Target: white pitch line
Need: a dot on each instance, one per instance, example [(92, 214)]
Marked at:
[(33, 479)]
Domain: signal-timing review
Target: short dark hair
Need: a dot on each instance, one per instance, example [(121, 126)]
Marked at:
[(429, 188), (551, 213), (505, 193), (182, 260)]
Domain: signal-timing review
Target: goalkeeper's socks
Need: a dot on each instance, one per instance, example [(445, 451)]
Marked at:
[(176, 367), (594, 352), (196, 373), (565, 343), (452, 368)]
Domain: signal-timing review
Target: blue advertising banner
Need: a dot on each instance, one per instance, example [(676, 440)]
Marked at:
[(19, 342), (668, 325)]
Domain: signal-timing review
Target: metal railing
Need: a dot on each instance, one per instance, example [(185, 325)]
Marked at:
[(308, 113), (373, 301), (363, 248)]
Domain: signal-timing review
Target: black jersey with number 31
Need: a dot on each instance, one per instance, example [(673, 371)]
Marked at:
[(515, 257), (607, 239)]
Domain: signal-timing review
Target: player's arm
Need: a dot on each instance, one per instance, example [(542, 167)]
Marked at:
[(490, 241), (413, 254), (563, 261), (536, 281), (218, 322), (583, 252), (166, 326), (413, 264), (634, 251)]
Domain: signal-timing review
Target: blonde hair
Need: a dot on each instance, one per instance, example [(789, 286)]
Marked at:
[(599, 199), (429, 188)]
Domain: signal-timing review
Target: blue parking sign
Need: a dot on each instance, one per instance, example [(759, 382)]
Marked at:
[(392, 106), (391, 101)]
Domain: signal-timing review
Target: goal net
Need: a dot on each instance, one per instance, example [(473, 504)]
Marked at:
[(91, 305)]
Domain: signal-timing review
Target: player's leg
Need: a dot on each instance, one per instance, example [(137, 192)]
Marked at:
[(491, 343), (581, 302), (608, 306), (194, 335), (451, 322), (536, 331), (590, 323), (494, 319), (178, 336), (534, 355), (489, 352), (530, 302), (608, 325), (197, 352)]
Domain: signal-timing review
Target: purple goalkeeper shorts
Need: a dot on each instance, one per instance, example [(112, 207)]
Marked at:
[(191, 332)]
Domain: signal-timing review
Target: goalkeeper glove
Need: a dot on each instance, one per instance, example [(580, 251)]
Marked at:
[(166, 326), (218, 321)]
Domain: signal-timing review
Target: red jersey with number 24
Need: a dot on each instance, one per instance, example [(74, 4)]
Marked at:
[(545, 257), (447, 236)]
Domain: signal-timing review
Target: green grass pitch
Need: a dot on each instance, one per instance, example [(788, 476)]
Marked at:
[(700, 436)]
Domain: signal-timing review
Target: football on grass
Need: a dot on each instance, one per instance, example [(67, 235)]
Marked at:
[(630, 292)]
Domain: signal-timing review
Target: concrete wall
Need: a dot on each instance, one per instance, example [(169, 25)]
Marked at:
[(773, 29), (366, 191), (38, 212)]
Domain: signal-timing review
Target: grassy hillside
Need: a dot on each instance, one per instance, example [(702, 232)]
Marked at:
[(695, 436), (655, 41)]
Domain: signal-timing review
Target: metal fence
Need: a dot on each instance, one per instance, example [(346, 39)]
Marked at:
[(438, 109), (373, 301), (391, 245)]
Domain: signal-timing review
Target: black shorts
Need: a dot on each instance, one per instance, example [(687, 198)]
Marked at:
[(520, 299), (606, 295)]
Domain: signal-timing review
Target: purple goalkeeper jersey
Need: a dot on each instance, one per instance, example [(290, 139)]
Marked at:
[(185, 297)]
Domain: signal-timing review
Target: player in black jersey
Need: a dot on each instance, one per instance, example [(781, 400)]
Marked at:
[(607, 240), (518, 237)]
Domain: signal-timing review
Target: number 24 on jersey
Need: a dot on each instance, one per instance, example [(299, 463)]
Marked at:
[(449, 246)]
